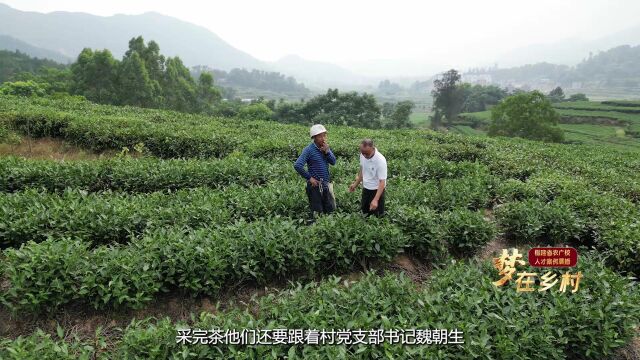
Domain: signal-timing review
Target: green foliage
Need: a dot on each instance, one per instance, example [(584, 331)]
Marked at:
[(479, 98), (47, 275), (448, 96), (106, 217), (23, 88), (556, 210), (397, 115), (40, 345), (556, 95), (578, 97), (549, 324), (137, 175), (526, 115), (466, 232), (136, 87), (94, 76), (334, 108), (143, 78), (256, 79), (15, 63), (117, 233), (256, 111)]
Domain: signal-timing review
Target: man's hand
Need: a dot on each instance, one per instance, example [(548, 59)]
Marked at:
[(314, 182), (374, 205), (324, 148), (353, 187)]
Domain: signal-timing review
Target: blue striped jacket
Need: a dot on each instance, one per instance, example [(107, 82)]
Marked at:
[(317, 163)]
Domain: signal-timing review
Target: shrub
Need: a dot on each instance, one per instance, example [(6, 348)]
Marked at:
[(466, 231), (526, 115), (258, 111), (496, 322)]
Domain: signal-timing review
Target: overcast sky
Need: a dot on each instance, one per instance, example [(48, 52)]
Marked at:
[(357, 31)]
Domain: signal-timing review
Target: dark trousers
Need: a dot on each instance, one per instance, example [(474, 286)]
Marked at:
[(367, 196), (320, 201)]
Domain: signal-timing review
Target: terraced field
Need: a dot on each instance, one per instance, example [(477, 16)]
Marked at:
[(210, 206), (612, 123)]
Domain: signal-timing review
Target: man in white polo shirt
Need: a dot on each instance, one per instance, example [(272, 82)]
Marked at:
[(373, 175)]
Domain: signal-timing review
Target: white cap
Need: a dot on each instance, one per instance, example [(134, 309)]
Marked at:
[(317, 129)]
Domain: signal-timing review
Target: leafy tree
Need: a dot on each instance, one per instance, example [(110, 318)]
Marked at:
[(55, 80), (343, 109), (479, 97), (226, 108), (397, 115), (135, 86), (436, 119), (254, 79), (578, 97), (179, 88), (556, 95), (448, 95), (154, 62), (289, 112), (207, 93), (23, 88), (13, 63), (257, 111), (526, 115), (336, 108), (94, 76), (389, 88)]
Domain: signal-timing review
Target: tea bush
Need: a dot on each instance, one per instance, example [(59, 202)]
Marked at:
[(107, 217), (496, 322), (44, 276)]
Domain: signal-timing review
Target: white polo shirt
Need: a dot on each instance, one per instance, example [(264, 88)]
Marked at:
[(373, 170)]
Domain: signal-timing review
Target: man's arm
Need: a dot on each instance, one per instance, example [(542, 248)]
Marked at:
[(357, 182), (374, 202), (382, 175), (331, 159), (299, 164)]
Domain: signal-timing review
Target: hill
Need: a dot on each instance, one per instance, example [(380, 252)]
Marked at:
[(16, 62), (569, 51), (12, 44), (607, 74), (68, 33)]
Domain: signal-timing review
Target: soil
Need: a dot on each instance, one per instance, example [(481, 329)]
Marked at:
[(50, 149)]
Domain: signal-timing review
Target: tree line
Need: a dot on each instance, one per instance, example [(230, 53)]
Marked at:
[(254, 79), (331, 108), (146, 78), (617, 66), (522, 114)]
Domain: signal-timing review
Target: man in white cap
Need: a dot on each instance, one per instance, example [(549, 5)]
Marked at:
[(317, 156), (373, 175)]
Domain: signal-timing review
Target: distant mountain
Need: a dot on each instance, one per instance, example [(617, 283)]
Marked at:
[(12, 44), (615, 67), (14, 62), (319, 73), (568, 51), (68, 33)]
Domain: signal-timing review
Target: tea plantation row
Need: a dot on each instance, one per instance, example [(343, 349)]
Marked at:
[(43, 276), (556, 209), (151, 174), (174, 135), (498, 323), (107, 217)]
